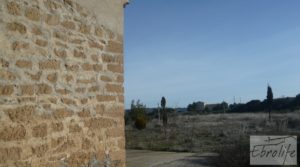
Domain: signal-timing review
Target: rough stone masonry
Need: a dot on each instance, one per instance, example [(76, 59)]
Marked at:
[(61, 83)]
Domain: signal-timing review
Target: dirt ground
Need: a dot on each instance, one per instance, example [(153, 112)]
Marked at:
[(144, 158)]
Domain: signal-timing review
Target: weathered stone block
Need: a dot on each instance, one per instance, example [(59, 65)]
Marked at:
[(40, 130), (99, 32), (10, 154), (115, 132), (115, 68), (94, 89), (62, 113), (57, 141), (74, 128), (121, 98), (7, 75), (19, 45), (33, 14), (19, 27), (4, 63), (86, 81), (36, 30), (106, 78), (79, 54), (96, 123), (69, 24), (62, 91), (84, 101), (24, 64), (52, 77), (68, 101), (114, 88), (87, 67), (86, 144), (79, 158), (60, 36), (52, 20), (35, 77), (83, 28), (120, 79), (51, 5), (114, 47), (27, 89), (107, 58), (57, 127), (49, 64), (6, 90), (13, 8), (40, 151), (105, 98), (94, 44), (41, 42), (13, 133), (21, 113), (68, 144), (84, 113), (44, 89)]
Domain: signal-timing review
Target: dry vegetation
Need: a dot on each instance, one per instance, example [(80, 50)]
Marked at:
[(222, 133)]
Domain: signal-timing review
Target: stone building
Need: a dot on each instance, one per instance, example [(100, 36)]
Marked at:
[(61, 83)]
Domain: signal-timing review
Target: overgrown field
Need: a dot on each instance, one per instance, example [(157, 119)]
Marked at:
[(224, 134), (208, 133)]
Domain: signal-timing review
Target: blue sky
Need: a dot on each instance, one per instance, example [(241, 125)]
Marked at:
[(209, 50)]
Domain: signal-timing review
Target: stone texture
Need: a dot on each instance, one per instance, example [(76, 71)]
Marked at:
[(52, 77), (44, 89), (52, 20), (24, 64), (49, 64), (6, 90), (61, 73), (56, 127), (10, 154), (114, 47), (33, 14), (27, 89), (115, 68), (15, 26), (40, 130), (13, 8), (69, 25), (13, 133), (114, 88), (105, 98), (20, 113), (19, 45), (41, 42), (40, 150)]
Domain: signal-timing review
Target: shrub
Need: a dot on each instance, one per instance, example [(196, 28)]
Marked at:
[(140, 123)]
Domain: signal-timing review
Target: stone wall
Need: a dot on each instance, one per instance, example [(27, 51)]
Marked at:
[(61, 85)]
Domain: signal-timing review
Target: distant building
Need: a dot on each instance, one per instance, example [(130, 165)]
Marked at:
[(199, 106), (210, 107)]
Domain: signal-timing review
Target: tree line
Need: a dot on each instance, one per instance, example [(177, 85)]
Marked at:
[(269, 104)]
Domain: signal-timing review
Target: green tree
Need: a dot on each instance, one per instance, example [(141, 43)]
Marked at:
[(192, 107), (164, 112), (269, 100)]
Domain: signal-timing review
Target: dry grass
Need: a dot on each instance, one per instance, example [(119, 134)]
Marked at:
[(207, 133)]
